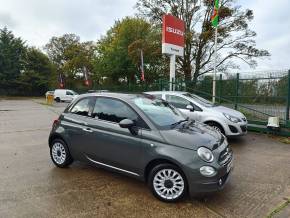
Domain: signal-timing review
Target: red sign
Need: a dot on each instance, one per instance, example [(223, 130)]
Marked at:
[(172, 35)]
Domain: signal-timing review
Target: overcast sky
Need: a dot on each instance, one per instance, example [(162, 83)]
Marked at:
[(37, 21)]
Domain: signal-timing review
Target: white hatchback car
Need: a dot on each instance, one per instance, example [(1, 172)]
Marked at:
[(226, 120)]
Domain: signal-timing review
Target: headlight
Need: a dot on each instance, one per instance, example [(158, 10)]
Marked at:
[(207, 171), (232, 118), (205, 154)]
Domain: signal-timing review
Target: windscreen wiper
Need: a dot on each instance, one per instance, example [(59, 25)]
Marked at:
[(179, 122), (188, 124)]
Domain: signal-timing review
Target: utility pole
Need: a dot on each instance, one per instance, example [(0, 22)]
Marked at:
[(215, 68)]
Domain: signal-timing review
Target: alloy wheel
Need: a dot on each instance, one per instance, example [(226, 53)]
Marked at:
[(168, 184), (58, 153)]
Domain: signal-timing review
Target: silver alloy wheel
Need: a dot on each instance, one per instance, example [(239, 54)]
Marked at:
[(217, 128), (168, 184), (58, 153)]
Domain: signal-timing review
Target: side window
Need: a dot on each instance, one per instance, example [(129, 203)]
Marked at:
[(158, 96), (196, 108), (177, 101), (69, 93), (83, 107), (114, 111)]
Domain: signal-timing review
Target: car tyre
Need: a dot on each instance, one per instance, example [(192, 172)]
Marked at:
[(217, 127), (57, 99), (60, 154), (167, 183)]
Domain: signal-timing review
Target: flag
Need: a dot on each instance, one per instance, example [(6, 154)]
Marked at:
[(87, 82), (215, 15), (142, 67), (60, 80)]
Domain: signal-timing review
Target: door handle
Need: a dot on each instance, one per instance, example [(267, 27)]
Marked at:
[(88, 129)]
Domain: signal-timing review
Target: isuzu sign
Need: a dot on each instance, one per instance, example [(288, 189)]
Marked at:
[(172, 35)]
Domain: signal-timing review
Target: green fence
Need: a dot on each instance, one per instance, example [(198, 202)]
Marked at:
[(258, 95)]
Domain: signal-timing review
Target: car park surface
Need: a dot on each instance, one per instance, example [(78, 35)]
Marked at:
[(31, 186)]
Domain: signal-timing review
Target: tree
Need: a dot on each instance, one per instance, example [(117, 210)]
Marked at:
[(71, 57), (37, 74), (12, 53), (118, 52), (235, 39)]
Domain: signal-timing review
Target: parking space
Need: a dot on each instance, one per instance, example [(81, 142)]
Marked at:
[(31, 186)]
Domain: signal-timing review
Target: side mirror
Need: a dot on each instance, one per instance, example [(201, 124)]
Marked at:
[(190, 108), (126, 123)]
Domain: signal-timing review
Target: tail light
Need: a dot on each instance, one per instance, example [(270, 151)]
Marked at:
[(55, 122)]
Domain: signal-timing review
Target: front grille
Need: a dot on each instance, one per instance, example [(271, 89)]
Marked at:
[(225, 156), (233, 129), (244, 128)]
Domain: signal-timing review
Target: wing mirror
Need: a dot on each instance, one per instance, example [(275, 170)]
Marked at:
[(126, 123), (129, 124), (190, 108)]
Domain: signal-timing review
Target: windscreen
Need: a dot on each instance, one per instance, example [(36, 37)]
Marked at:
[(200, 100), (160, 112)]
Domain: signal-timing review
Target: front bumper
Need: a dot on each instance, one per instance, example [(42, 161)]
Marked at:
[(236, 129), (223, 164), (198, 189)]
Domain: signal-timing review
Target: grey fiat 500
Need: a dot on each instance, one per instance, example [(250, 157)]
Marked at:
[(143, 137)]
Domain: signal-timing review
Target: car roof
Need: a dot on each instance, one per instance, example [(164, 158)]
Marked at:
[(124, 96), (166, 92)]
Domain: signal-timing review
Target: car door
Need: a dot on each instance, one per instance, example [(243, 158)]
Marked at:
[(69, 95), (111, 145), (75, 122)]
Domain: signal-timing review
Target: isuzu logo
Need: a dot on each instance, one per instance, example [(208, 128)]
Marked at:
[(175, 31)]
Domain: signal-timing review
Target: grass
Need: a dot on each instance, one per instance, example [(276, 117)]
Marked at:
[(285, 140), (279, 208)]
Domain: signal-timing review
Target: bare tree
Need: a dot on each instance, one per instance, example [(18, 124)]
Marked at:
[(235, 38)]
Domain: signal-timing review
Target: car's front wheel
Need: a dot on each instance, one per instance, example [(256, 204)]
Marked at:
[(217, 127), (59, 153), (167, 182)]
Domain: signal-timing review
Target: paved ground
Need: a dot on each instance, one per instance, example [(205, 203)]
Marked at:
[(30, 185)]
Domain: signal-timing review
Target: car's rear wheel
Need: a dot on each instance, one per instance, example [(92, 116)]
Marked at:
[(59, 153), (167, 183), (57, 99)]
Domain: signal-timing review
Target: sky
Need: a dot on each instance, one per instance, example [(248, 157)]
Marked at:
[(37, 21)]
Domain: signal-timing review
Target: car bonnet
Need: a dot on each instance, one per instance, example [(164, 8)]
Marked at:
[(193, 137)]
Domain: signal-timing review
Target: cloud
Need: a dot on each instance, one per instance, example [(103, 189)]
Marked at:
[(38, 20), (271, 23), (6, 19)]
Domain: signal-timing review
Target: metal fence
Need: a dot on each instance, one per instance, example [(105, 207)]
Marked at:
[(258, 95)]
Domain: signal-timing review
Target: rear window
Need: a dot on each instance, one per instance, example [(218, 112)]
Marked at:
[(83, 107)]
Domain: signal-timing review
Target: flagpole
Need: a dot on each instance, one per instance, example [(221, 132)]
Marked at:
[(215, 67), (142, 66)]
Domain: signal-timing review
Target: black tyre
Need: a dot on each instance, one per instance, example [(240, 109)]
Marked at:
[(167, 183), (217, 127), (59, 153), (57, 99)]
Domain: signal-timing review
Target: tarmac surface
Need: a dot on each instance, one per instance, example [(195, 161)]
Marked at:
[(31, 186)]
